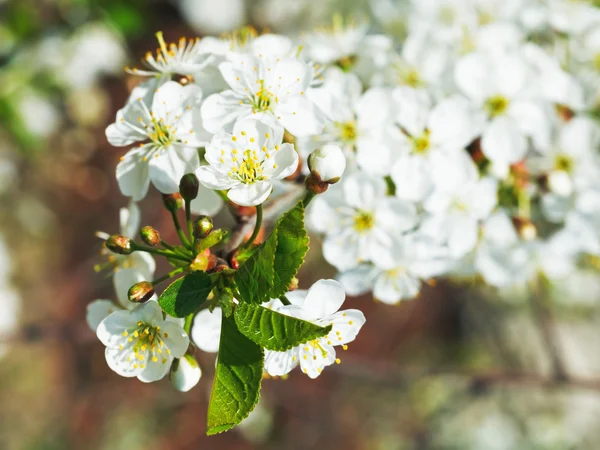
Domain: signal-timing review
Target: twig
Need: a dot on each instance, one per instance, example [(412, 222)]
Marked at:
[(547, 328)]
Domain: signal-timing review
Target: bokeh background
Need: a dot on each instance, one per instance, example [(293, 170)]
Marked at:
[(460, 367)]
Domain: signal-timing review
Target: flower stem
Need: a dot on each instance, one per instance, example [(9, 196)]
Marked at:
[(166, 276), (189, 320), (257, 226), (188, 219), (156, 251), (308, 197), (180, 233), (283, 299)]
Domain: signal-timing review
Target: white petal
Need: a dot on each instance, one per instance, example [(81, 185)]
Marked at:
[(214, 179), (99, 310), (357, 281), (175, 338), (280, 363), (168, 166), (411, 175), (206, 330), (346, 325), (129, 219), (250, 194), (314, 360), (390, 289), (207, 202), (286, 161), (396, 215), (186, 375), (132, 174), (220, 111), (155, 370), (324, 298), (110, 330), (503, 142), (117, 361), (300, 116)]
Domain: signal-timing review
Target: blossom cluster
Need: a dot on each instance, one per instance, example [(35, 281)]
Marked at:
[(468, 150), (225, 113), (472, 146)]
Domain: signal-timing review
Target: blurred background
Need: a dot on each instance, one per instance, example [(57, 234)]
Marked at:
[(460, 367)]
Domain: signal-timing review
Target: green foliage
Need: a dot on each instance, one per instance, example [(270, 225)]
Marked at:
[(236, 387), (225, 300), (254, 278), (292, 246), (268, 272), (185, 295), (275, 331)]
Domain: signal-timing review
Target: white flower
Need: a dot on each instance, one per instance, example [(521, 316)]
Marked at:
[(417, 259), (363, 225), (246, 162), (501, 85), (319, 305), (269, 84), (458, 202), (167, 118), (328, 163), (336, 44), (185, 373), (427, 131), (206, 330), (140, 343), (360, 123), (182, 58)]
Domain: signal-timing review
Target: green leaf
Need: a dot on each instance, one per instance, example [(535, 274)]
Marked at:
[(292, 245), (254, 278), (236, 387), (185, 295), (225, 301), (275, 331)]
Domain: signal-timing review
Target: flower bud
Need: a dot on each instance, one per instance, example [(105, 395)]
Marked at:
[(327, 163), (118, 244), (188, 186), (140, 292), (185, 373), (200, 263), (150, 236), (172, 202), (203, 225)]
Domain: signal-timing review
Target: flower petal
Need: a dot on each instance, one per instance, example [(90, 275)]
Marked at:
[(324, 298), (250, 194), (99, 310)]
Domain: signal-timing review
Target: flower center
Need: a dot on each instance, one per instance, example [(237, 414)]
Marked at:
[(262, 99), (496, 105), (564, 163), (146, 338), (410, 77), (346, 131), (163, 135), (363, 221), (249, 170), (421, 143)]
